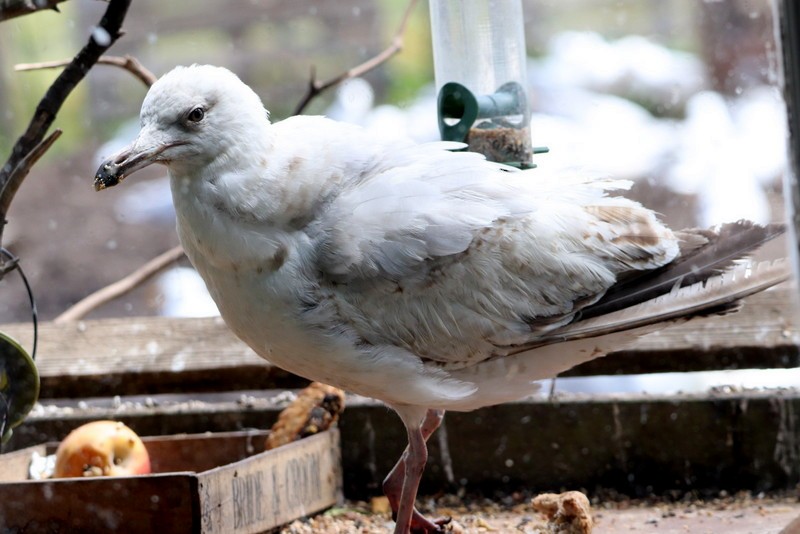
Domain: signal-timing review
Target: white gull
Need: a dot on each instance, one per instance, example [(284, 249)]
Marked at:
[(430, 279)]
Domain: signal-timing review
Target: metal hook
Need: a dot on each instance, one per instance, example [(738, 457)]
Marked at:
[(12, 262), (6, 401)]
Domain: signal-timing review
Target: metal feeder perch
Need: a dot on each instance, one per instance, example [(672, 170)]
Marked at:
[(479, 61)]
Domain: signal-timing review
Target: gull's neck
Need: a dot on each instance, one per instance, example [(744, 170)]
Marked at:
[(230, 181), (279, 178)]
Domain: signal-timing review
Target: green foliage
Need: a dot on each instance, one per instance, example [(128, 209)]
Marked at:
[(412, 69), (24, 40)]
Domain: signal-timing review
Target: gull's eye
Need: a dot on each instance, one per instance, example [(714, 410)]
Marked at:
[(196, 115)]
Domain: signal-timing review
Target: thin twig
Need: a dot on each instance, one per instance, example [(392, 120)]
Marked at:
[(24, 167), (22, 170), (121, 287), (12, 173), (129, 63), (315, 87)]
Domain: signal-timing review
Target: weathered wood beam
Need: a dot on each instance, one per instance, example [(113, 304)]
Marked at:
[(151, 355)]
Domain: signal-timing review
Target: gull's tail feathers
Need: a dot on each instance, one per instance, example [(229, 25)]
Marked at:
[(703, 253), (718, 294), (510, 377)]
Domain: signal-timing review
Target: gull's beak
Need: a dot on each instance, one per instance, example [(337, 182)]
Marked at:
[(130, 159)]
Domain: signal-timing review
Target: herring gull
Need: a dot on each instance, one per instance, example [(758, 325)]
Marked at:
[(416, 274)]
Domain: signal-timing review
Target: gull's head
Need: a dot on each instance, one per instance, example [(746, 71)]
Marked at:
[(190, 117)]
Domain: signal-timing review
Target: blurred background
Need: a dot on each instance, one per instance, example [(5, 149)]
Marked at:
[(681, 96)]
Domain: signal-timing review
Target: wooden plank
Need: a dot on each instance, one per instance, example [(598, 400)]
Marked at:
[(155, 354), (145, 355), (635, 444), (285, 483)]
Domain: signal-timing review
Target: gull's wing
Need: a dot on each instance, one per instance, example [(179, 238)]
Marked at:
[(452, 257)]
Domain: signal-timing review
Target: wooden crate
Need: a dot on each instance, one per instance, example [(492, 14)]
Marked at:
[(209, 483)]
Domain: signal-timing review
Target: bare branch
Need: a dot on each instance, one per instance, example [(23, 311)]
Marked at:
[(16, 8), (22, 170), (13, 172), (316, 87), (121, 287), (129, 63)]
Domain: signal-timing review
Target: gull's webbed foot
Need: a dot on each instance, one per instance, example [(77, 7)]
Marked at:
[(421, 525)]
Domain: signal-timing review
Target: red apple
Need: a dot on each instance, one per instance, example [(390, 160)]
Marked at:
[(101, 448)]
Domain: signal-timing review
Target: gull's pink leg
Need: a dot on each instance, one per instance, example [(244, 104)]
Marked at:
[(393, 485)]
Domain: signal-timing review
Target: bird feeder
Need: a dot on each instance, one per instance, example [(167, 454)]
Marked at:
[(19, 385), (479, 58)]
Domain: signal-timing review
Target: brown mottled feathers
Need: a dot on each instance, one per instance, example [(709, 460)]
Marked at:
[(703, 253), (706, 258), (640, 230)]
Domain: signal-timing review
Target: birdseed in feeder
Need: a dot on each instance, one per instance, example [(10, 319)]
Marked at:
[(502, 144)]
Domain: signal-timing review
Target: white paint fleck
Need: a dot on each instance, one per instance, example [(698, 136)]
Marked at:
[(178, 363), (101, 36)]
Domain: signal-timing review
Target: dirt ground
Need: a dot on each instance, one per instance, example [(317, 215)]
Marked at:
[(730, 516)]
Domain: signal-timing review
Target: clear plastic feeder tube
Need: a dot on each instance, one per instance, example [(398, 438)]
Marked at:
[(479, 57)]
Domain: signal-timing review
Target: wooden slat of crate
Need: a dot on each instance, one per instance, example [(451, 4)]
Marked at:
[(202, 452), (155, 503), (156, 355), (254, 496), (226, 485)]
